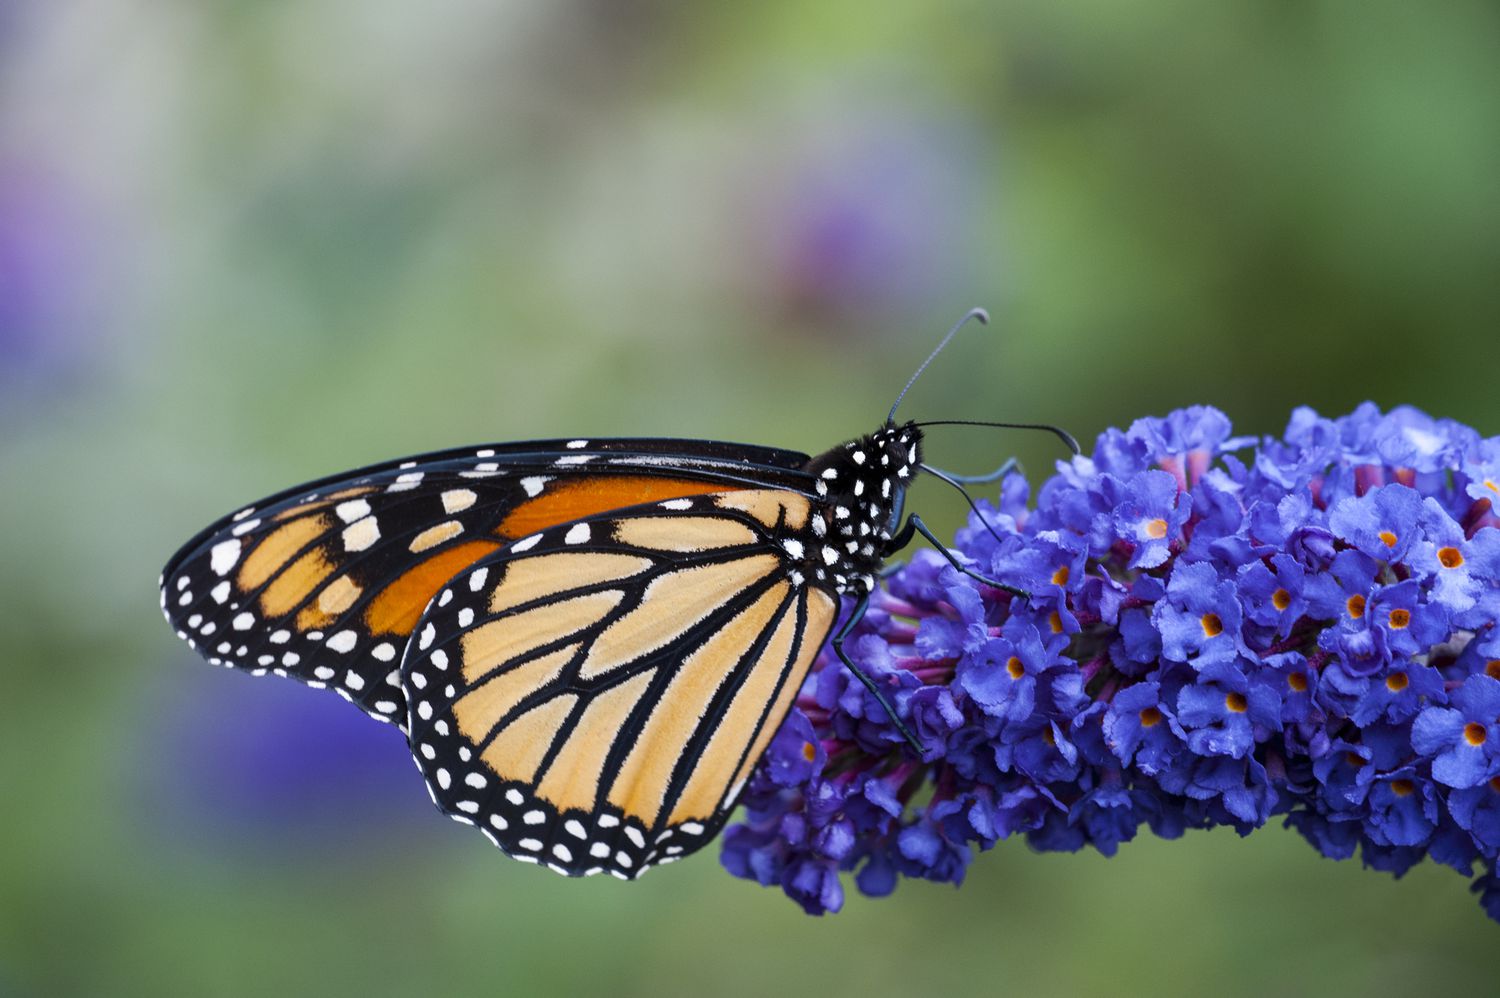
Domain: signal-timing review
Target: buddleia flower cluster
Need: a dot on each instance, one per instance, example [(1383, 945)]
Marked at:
[(1221, 631)]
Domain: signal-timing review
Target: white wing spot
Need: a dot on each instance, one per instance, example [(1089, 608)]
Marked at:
[(277, 637), (323, 672), (577, 534), (466, 616), (514, 796), (404, 483), (677, 504), (526, 543), (361, 534), (574, 827), (220, 593), (244, 622), (425, 641), (534, 817), (440, 658), (224, 555), (562, 852), (577, 444), (244, 528), (458, 500), (533, 485), (354, 681), (354, 509), (476, 781), (445, 780), (343, 641), (574, 459), (476, 580), (385, 651)]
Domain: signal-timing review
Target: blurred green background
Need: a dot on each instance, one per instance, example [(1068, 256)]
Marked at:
[(245, 244)]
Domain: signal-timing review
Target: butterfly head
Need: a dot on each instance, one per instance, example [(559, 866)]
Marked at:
[(861, 486)]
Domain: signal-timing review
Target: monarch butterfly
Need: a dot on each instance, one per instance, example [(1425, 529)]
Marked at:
[(588, 643)]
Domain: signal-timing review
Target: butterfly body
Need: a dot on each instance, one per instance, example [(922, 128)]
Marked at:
[(588, 643)]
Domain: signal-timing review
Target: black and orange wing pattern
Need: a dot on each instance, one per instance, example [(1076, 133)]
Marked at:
[(593, 696), (324, 583), (588, 643)]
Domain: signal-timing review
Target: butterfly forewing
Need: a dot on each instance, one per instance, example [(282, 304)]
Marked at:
[(325, 583), (592, 696)]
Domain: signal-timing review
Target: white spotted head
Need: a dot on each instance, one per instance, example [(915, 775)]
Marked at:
[(860, 488)]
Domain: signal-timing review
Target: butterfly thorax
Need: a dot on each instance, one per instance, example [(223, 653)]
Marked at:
[(860, 487)]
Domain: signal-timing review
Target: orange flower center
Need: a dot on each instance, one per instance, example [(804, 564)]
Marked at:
[(1281, 599), (1297, 681), (1474, 733), (1055, 622), (1237, 703), (1356, 606), (1354, 759), (1387, 538), (809, 751), (1212, 625), (1060, 577), (1492, 668), (1450, 557), (1495, 784), (1403, 788), (1156, 529), (1396, 682), (1015, 668), (1150, 717), (1400, 618)]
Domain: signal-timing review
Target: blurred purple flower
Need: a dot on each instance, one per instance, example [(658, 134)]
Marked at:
[(279, 766)]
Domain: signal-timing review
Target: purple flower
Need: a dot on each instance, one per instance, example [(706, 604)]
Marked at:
[(1151, 517), (1312, 630), (1199, 619), (1463, 740), (1272, 595)]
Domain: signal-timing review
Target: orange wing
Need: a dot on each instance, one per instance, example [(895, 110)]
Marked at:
[(324, 584), (593, 696)]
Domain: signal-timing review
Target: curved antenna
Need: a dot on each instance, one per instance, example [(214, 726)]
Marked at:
[(1056, 431), (973, 313)]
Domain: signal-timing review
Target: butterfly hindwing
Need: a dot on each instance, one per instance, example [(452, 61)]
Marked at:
[(593, 695), (325, 583)]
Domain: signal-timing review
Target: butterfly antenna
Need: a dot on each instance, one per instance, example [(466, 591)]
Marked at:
[(1057, 431), (973, 313)]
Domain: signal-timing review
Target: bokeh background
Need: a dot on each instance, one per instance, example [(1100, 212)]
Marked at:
[(245, 244)]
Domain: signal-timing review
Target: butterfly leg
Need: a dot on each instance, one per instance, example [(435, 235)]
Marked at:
[(994, 476), (868, 683), (914, 524)]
